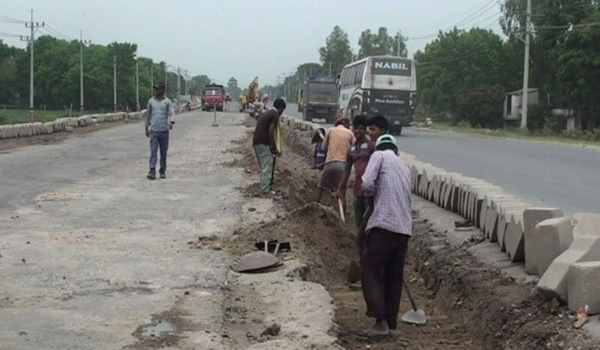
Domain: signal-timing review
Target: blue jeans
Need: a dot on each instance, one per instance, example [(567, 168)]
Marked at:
[(159, 139), (265, 166)]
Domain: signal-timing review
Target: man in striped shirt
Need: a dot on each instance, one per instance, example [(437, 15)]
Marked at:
[(387, 179)]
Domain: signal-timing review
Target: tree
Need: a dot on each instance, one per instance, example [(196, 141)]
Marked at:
[(336, 51), (233, 89), (459, 61), (482, 106), (198, 83), (376, 44)]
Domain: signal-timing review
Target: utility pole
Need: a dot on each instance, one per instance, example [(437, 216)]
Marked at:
[(151, 76), (525, 98), (137, 85), (115, 108), (330, 69), (32, 25), (81, 44), (179, 88), (166, 78)]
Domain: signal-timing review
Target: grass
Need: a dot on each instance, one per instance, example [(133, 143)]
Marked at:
[(16, 116), (511, 133)]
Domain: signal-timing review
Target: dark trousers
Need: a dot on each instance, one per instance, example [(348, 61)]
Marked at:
[(159, 140), (382, 273), (360, 207)]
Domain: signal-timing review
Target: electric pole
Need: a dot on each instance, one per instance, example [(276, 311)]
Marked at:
[(525, 98), (179, 89), (330, 69), (166, 78), (151, 76), (137, 85), (115, 109), (32, 25), (81, 44)]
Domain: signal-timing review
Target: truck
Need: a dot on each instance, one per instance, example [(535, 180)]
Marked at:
[(213, 96), (320, 99)]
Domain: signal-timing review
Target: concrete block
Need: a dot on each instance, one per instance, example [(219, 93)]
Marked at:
[(552, 237), (554, 282), (584, 286), (514, 238), (586, 224), (532, 217)]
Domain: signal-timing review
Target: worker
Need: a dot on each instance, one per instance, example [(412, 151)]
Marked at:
[(159, 121), (389, 228), (337, 141), (266, 145), (357, 156)]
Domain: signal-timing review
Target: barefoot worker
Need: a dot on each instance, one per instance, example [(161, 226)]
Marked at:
[(336, 144), (387, 179), (358, 157)]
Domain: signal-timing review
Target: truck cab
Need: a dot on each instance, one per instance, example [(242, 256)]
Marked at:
[(213, 96), (320, 99)]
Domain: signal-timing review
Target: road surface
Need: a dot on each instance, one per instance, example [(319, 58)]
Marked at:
[(93, 252), (545, 174)]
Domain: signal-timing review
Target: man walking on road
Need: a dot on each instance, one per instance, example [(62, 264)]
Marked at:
[(265, 144), (387, 179), (159, 122), (337, 141)]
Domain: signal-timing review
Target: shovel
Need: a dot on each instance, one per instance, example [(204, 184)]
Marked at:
[(341, 207), (414, 316)]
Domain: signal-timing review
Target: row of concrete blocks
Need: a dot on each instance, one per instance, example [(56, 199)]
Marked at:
[(62, 124), (564, 251), (299, 124)]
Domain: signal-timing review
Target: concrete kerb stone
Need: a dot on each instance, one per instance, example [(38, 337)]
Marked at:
[(552, 237), (584, 286), (514, 238), (504, 216), (532, 217), (586, 224), (554, 282)]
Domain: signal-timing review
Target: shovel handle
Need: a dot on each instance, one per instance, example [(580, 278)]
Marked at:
[(412, 301), (341, 207)]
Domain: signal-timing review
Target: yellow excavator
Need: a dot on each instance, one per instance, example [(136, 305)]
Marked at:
[(251, 97)]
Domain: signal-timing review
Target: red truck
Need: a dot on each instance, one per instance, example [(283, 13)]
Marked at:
[(213, 96)]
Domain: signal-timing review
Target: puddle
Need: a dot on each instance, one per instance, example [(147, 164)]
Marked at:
[(161, 329)]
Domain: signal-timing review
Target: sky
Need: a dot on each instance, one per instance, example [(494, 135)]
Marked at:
[(242, 38)]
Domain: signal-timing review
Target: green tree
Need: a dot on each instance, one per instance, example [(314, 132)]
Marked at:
[(372, 44), (458, 61), (233, 89), (198, 83), (336, 51), (482, 106)]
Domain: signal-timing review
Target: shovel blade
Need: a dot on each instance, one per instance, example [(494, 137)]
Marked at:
[(415, 317)]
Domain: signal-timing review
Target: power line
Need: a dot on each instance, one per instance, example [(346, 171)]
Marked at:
[(478, 13), (11, 20), (3, 34), (568, 26)]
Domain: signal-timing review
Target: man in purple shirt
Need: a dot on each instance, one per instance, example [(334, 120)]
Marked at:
[(387, 179)]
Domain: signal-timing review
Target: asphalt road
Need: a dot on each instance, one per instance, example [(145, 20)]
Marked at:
[(544, 174), (93, 252)]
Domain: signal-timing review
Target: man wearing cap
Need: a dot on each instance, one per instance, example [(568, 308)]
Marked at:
[(389, 228), (336, 144), (159, 114)]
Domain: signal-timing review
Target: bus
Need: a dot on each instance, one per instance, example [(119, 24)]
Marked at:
[(380, 85)]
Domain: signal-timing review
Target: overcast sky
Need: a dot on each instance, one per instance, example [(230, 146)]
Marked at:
[(242, 38)]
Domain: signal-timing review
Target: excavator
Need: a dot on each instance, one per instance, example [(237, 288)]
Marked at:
[(251, 97)]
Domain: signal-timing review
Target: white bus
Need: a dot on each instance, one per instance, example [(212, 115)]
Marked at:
[(380, 85)]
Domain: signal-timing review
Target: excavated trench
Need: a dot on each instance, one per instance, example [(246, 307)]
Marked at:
[(469, 306)]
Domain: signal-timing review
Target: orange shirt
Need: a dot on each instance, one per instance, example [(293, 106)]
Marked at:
[(337, 142)]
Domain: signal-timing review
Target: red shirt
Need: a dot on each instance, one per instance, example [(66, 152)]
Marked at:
[(360, 154)]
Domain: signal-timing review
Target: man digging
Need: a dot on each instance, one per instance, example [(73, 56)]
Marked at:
[(265, 145), (389, 228)]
